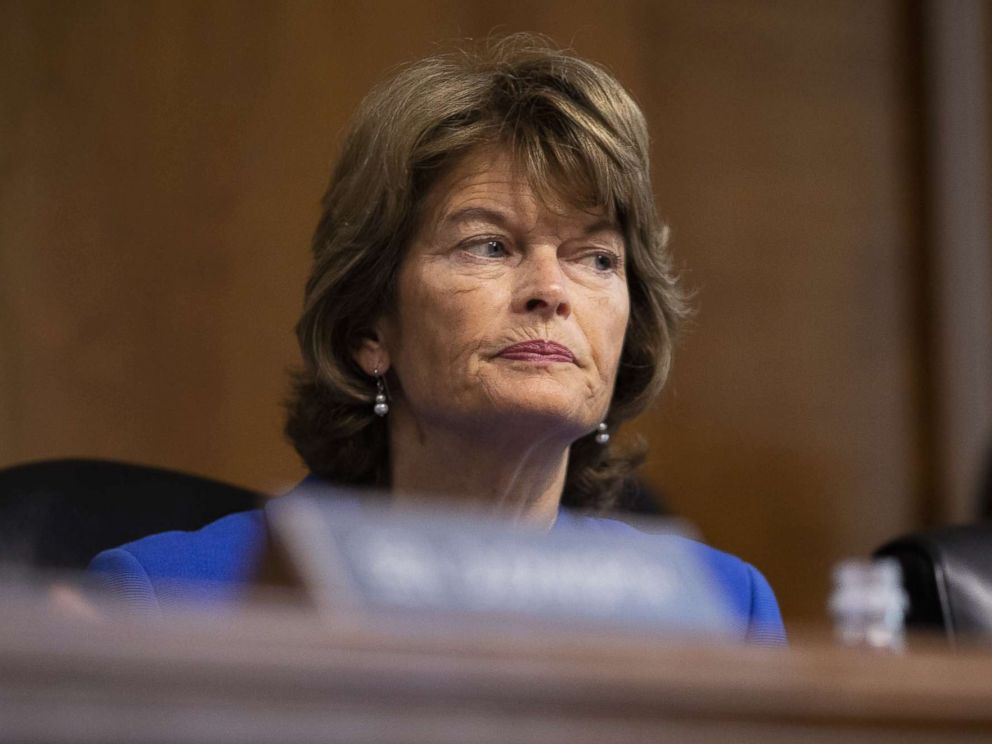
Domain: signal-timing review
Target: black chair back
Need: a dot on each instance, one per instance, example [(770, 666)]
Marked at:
[(947, 573), (60, 513)]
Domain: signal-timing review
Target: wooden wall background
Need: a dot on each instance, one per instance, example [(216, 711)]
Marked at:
[(160, 170)]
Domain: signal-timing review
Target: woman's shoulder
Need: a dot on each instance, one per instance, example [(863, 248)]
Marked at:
[(214, 562), (745, 590)]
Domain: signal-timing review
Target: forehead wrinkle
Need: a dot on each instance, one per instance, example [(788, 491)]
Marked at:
[(481, 175)]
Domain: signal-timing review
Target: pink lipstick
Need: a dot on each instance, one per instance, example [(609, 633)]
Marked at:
[(538, 351)]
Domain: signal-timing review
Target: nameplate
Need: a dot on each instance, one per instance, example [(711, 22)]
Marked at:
[(360, 554)]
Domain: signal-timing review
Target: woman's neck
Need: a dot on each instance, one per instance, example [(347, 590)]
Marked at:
[(483, 469)]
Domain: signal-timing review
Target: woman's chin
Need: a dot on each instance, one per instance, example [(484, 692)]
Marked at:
[(541, 407)]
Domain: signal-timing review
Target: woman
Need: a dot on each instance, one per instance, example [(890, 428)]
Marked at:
[(491, 297)]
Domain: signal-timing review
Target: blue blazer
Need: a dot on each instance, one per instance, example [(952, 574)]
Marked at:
[(217, 563)]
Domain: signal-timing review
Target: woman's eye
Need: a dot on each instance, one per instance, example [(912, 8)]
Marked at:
[(487, 248), (603, 261)]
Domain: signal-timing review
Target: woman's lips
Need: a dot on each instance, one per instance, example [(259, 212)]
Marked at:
[(538, 351)]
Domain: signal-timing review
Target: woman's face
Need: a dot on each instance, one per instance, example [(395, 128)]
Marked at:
[(509, 313)]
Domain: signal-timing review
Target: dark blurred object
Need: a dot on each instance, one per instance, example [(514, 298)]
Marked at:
[(947, 573), (61, 513), (637, 498), (985, 487)]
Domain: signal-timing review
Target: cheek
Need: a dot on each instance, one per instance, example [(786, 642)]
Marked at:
[(442, 326), (611, 316)]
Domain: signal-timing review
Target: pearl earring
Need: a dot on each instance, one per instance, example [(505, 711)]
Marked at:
[(602, 435), (381, 407)]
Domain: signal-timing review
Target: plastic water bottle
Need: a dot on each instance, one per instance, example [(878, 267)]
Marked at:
[(869, 604)]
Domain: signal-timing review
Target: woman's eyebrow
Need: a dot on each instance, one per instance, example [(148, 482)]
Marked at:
[(500, 219), (476, 214), (603, 225)]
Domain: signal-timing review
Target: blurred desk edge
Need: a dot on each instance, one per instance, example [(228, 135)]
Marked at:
[(278, 674)]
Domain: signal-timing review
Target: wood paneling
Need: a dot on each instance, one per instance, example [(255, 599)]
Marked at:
[(160, 175), (782, 145), (959, 190)]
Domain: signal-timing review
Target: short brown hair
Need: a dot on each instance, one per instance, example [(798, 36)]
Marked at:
[(576, 134)]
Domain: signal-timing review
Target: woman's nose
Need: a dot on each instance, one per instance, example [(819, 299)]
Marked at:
[(543, 285)]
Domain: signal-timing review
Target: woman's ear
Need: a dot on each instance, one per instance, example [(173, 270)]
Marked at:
[(371, 354)]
